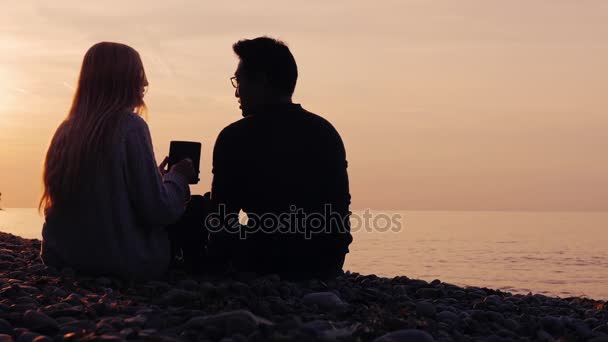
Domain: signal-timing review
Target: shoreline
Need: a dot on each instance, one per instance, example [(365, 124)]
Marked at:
[(38, 301)]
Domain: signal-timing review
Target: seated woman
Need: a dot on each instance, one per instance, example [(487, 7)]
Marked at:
[(106, 203)]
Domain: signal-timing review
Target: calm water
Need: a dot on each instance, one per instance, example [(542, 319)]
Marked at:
[(561, 254)]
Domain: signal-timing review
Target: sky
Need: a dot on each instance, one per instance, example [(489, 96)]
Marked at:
[(442, 105)]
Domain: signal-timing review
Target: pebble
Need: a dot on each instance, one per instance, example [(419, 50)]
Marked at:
[(430, 293), (447, 317), (40, 303), (73, 299), (39, 322), (5, 327), (138, 320), (326, 301), (239, 321), (28, 337), (493, 299), (425, 309), (103, 281), (189, 284), (179, 297), (552, 325), (406, 335)]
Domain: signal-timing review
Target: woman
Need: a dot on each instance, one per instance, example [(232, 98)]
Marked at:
[(105, 202)]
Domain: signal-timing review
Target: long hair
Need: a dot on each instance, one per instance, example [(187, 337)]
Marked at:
[(111, 84)]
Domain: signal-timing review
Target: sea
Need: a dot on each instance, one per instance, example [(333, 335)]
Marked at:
[(563, 254)]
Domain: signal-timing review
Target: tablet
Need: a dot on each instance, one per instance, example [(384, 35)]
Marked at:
[(179, 150)]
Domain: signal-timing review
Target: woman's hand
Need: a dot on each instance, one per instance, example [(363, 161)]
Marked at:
[(162, 168), (185, 168)]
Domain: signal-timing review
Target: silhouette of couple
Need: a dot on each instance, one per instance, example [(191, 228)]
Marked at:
[(110, 210)]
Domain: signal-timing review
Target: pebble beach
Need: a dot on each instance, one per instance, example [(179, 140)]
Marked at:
[(44, 304)]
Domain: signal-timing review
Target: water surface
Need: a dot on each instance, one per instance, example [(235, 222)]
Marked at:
[(553, 253)]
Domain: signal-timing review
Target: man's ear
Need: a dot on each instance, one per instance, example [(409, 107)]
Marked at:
[(262, 78)]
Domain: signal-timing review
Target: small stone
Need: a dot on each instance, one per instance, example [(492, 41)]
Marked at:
[(103, 281), (189, 284), (417, 283), (77, 326), (429, 293), (68, 272), (179, 297), (447, 317), (493, 299), (317, 327), (5, 327), (511, 324), (581, 329), (28, 337), (327, 301), (425, 309), (239, 321), (40, 322), (458, 294), (599, 339), (407, 335), (128, 333), (138, 320), (329, 331), (542, 335), (552, 325), (108, 338), (159, 285), (59, 292), (23, 307), (148, 333), (74, 299), (603, 328)]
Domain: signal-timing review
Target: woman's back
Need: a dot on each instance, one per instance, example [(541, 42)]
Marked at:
[(118, 227)]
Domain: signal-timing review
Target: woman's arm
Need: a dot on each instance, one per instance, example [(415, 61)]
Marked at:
[(158, 200)]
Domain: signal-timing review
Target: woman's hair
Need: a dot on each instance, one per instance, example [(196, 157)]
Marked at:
[(111, 84)]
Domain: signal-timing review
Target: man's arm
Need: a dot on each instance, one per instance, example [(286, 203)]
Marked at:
[(223, 223), (337, 193), (342, 196)]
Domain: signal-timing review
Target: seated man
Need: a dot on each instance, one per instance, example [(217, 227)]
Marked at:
[(285, 168)]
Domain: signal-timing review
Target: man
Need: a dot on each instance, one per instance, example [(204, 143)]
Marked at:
[(285, 168)]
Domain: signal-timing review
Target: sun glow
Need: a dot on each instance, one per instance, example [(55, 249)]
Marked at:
[(8, 93), (4, 92)]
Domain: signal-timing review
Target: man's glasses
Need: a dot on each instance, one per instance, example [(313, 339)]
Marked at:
[(234, 81)]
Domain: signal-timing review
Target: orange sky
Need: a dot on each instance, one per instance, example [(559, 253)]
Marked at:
[(442, 105)]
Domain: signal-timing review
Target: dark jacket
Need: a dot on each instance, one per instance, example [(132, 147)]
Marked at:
[(277, 166)]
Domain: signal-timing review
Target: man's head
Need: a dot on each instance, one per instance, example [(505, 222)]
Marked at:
[(266, 74)]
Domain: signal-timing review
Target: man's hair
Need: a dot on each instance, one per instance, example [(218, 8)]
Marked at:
[(271, 57)]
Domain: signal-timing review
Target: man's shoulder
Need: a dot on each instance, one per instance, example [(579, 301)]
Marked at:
[(317, 119), (305, 119), (237, 128), (319, 122)]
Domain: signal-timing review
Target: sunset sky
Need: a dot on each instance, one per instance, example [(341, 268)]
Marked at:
[(468, 105)]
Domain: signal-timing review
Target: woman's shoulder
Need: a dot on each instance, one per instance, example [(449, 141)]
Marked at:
[(133, 122)]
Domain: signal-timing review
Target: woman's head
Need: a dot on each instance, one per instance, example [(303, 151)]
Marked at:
[(112, 78), (111, 84)]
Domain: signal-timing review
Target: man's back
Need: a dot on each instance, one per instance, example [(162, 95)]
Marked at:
[(285, 168)]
